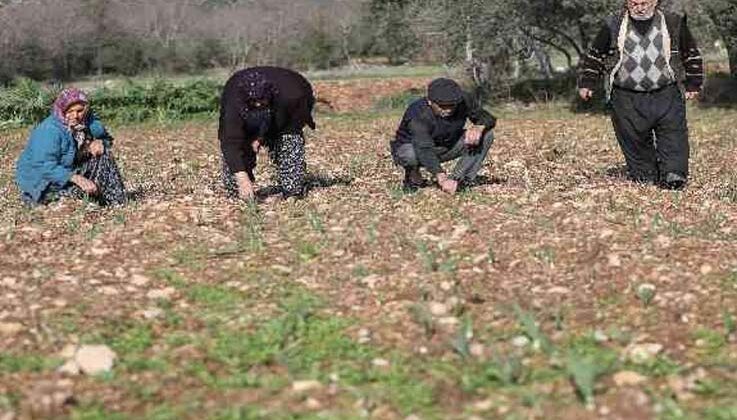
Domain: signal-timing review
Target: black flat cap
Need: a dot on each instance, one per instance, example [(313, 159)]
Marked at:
[(444, 91)]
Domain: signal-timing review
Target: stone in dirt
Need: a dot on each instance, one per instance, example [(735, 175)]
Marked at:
[(628, 378), (10, 328), (305, 386), (95, 359), (520, 341), (48, 399), (642, 353), (152, 313), (313, 404), (161, 293), (139, 280), (437, 308)]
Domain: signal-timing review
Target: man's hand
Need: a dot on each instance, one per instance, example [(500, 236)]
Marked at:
[(692, 95), (84, 184), (245, 186), (585, 93), (97, 148), (473, 135), (256, 146), (446, 184)]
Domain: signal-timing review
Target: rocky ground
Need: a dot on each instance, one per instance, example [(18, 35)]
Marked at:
[(555, 289)]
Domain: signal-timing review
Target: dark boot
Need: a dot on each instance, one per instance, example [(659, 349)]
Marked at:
[(673, 181), (413, 179)]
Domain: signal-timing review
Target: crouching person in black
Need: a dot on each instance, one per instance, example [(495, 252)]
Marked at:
[(433, 130), (265, 106)]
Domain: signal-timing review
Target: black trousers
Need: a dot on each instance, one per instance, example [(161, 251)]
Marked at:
[(652, 132)]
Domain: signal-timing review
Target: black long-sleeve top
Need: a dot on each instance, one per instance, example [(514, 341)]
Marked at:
[(425, 130), (593, 63), (291, 109)]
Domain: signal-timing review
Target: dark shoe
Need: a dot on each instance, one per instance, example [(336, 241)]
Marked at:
[(674, 181), (643, 178), (413, 180)]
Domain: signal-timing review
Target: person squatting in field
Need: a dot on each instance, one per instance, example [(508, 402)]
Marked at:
[(69, 154), (648, 58), (433, 130), (265, 106)]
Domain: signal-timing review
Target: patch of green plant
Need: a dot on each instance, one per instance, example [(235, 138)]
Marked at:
[(532, 330), (402, 386), (214, 296), (192, 257), (436, 260), (168, 412), (545, 255), (94, 411), (242, 413), (372, 233), (25, 102), (500, 371), (645, 293), (721, 413), (730, 325), (490, 253), (171, 277), (658, 366), (670, 409), (12, 363), (130, 340), (461, 342), (251, 237), (307, 251), (399, 100), (299, 339), (144, 364), (360, 271), (316, 222), (584, 372), (587, 361), (422, 316), (709, 340)]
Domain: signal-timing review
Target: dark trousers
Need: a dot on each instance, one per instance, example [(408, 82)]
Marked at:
[(652, 132), (469, 165)]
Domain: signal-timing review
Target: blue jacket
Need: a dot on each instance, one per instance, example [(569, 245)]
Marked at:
[(48, 158)]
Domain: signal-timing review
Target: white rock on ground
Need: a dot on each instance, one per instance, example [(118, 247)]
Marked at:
[(520, 341), (304, 386), (139, 280), (642, 353), (152, 313), (437, 309), (95, 359), (10, 328), (161, 293), (628, 378)]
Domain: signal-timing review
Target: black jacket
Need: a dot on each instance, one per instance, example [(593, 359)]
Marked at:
[(425, 130), (291, 110)]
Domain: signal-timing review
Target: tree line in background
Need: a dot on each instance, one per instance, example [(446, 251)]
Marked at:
[(496, 41)]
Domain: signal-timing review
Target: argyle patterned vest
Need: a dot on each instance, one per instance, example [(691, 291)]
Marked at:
[(644, 64)]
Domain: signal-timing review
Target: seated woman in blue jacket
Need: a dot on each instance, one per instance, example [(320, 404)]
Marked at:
[(69, 154)]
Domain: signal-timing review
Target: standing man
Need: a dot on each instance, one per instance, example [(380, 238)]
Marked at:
[(265, 106), (651, 64), (433, 130)]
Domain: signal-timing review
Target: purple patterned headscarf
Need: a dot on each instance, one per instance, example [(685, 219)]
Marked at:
[(257, 88), (67, 98)]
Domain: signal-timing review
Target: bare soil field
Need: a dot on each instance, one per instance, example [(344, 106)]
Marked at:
[(555, 289)]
